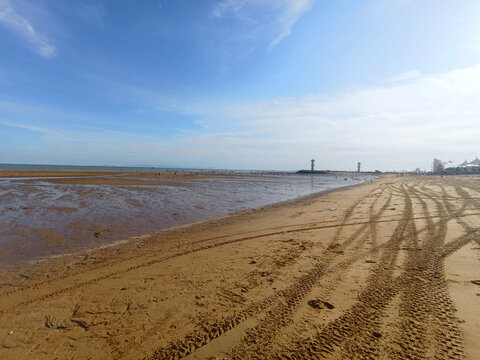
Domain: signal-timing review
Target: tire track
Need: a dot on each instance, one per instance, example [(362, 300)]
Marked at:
[(256, 342), (348, 213), (355, 333), (426, 309), (281, 305), (414, 336)]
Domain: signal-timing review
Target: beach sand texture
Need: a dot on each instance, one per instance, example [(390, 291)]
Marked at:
[(383, 270)]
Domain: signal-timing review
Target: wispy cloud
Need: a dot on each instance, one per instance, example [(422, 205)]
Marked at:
[(92, 12), (51, 134), (294, 10), (277, 15), (80, 137), (12, 19), (429, 115), (387, 9), (398, 125), (407, 75)]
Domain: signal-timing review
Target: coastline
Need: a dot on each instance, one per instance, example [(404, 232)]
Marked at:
[(205, 222), (255, 283), (47, 213)]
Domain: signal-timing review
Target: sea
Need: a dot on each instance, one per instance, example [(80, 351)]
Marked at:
[(40, 219), (87, 167)]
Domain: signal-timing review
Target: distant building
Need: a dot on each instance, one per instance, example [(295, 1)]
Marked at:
[(464, 168), (475, 162), (437, 166)]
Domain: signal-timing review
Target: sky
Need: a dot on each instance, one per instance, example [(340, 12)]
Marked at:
[(240, 84)]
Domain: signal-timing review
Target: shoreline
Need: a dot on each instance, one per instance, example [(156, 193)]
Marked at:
[(294, 278), (89, 209), (298, 200)]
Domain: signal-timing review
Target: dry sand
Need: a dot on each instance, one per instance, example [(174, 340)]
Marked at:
[(385, 270)]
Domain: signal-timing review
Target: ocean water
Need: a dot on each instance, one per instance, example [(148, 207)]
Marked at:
[(80, 167), (39, 219)]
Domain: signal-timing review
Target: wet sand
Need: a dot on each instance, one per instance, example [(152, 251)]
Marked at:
[(43, 216), (155, 174), (55, 173), (110, 181), (385, 270)]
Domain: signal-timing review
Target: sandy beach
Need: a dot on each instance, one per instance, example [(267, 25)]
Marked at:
[(383, 270)]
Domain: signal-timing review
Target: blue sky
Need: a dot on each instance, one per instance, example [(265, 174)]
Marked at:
[(245, 84)]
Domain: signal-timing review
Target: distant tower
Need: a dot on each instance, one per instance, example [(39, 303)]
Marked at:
[(313, 164), (358, 167)]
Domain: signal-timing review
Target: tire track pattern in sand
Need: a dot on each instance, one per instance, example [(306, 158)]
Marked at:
[(286, 301), (355, 333), (426, 326)]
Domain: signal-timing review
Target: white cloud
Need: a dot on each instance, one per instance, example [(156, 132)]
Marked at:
[(49, 133), (295, 9), (395, 127), (400, 125), (279, 16), (13, 20), (408, 75), (407, 123)]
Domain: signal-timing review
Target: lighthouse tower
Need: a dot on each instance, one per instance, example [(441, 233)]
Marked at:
[(313, 164)]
